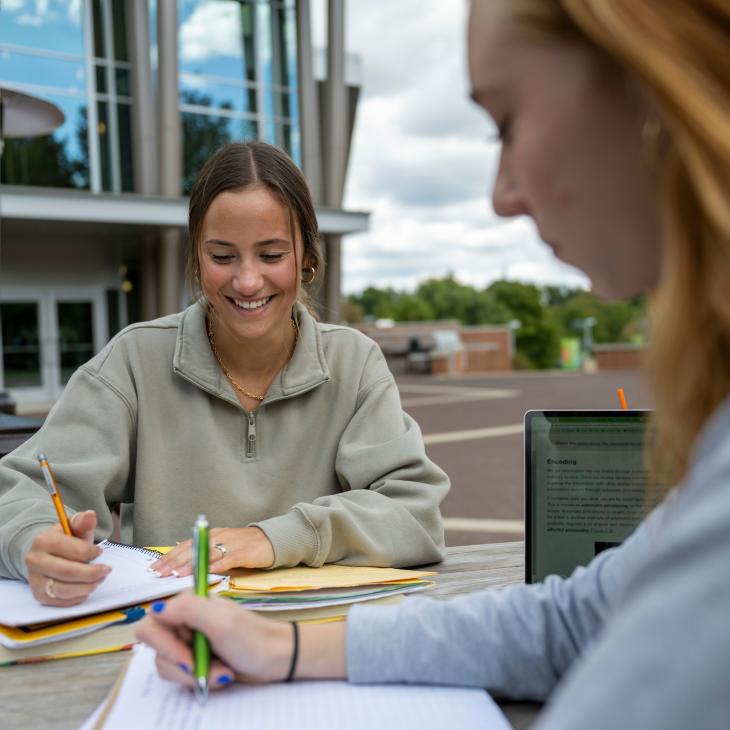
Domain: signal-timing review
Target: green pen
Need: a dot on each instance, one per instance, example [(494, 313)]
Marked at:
[(201, 647)]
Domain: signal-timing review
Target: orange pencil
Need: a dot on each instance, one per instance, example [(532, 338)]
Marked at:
[(622, 399), (53, 489)]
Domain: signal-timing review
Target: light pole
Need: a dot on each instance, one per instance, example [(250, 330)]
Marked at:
[(586, 326)]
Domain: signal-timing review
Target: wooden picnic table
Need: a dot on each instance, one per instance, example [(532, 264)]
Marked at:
[(61, 695)]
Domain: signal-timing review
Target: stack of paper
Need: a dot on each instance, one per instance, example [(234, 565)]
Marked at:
[(287, 589), (26, 625)]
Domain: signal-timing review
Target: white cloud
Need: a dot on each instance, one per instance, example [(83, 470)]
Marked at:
[(421, 162), (35, 21), (212, 29), (37, 13), (74, 11)]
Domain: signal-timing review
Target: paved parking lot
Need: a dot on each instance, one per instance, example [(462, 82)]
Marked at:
[(473, 429)]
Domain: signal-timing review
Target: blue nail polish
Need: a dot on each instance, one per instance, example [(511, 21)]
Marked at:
[(158, 606), (225, 679), (184, 667)]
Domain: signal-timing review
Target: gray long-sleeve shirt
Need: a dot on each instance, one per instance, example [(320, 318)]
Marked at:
[(638, 639)]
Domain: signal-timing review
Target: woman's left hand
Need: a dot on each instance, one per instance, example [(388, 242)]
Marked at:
[(239, 547)]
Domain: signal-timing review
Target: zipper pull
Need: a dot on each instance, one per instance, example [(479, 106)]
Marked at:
[(251, 436)]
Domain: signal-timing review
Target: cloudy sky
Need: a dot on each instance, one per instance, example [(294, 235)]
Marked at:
[(422, 161)]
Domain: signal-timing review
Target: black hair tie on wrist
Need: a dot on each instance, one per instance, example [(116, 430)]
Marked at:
[(294, 653)]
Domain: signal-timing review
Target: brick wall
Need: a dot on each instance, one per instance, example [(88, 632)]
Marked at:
[(484, 349), (619, 356)]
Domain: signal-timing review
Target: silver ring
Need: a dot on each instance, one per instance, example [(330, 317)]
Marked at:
[(49, 589), (220, 546)]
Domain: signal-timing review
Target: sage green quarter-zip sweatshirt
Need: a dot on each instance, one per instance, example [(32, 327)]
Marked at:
[(329, 466)]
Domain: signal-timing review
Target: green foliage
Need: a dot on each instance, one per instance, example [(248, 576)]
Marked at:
[(538, 339), (377, 303), (612, 318), (545, 314), (411, 308), (40, 161), (449, 299)]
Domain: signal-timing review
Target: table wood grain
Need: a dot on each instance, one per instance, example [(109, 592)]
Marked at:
[(61, 695)]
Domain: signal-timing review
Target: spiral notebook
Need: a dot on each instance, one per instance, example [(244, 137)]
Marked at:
[(130, 582)]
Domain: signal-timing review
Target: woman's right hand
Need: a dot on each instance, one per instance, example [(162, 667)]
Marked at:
[(59, 573), (246, 647)]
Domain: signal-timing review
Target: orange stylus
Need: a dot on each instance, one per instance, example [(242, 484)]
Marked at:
[(622, 399)]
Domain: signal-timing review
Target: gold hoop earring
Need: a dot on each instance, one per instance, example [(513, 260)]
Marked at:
[(313, 271)]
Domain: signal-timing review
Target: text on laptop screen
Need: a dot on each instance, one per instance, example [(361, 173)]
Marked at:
[(586, 483)]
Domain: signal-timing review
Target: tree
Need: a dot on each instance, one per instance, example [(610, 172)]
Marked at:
[(537, 339), (612, 317), (545, 314), (378, 303), (39, 161), (411, 308), (556, 295)]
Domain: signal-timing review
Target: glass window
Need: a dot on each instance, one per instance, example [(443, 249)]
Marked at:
[(112, 312), (54, 25), (264, 37), (196, 91), (203, 134), (249, 45), (97, 16), (237, 57), (101, 79), (60, 159), (124, 126), (292, 79), (21, 355), (28, 68), (284, 136), (102, 129), (210, 39), (75, 336), (122, 81), (119, 24), (285, 72)]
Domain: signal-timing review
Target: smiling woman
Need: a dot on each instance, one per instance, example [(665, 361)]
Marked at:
[(252, 235), (286, 432)]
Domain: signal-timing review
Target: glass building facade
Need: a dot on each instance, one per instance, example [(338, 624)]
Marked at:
[(67, 287), (94, 215), (237, 80), (238, 77)]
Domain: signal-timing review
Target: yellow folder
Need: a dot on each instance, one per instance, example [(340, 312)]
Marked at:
[(328, 576)]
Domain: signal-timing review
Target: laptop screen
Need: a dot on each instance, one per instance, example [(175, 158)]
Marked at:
[(585, 486)]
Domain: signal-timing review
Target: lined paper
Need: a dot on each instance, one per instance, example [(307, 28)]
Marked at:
[(146, 701)]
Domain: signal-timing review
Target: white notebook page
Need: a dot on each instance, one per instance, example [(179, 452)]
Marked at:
[(129, 582), (146, 701)]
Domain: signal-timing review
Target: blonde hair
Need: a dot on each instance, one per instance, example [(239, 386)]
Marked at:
[(678, 50)]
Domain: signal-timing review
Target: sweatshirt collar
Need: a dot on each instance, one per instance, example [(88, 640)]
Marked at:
[(194, 360)]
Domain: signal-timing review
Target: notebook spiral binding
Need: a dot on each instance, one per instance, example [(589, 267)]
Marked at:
[(145, 551)]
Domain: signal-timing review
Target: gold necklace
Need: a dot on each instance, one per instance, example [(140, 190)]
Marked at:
[(231, 379)]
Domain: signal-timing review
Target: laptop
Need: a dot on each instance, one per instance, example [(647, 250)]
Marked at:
[(585, 486)]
